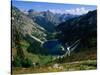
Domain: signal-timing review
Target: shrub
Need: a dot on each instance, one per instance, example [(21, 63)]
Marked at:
[(26, 63), (17, 62)]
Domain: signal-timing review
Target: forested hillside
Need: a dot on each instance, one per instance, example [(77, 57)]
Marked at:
[(83, 27)]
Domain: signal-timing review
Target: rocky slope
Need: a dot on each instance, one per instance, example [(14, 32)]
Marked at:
[(26, 35)]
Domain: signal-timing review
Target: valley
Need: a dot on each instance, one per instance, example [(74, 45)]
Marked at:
[(43, 41)]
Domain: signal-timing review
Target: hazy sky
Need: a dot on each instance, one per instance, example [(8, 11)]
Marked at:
[(54, 7)]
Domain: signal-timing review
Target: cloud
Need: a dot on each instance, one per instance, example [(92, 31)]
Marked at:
[(57, 11), (76, 11)]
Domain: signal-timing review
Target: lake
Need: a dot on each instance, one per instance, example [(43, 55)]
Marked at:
[(54, 47)]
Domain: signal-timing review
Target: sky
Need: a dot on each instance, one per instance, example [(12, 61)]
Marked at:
[(74, 9)]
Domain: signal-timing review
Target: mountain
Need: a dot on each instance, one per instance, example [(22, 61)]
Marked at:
[(26, 36), (47, 19), (41, 20), (25, 26), (83, 27)]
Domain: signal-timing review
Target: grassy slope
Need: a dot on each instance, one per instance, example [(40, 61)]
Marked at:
[(84, 60), (73, 66)]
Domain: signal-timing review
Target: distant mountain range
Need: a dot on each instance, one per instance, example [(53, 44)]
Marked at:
[(49, 20)]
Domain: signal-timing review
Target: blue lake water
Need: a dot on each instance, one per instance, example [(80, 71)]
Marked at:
[(54, 47)]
